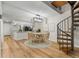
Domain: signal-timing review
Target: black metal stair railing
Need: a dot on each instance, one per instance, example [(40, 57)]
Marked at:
[(66, 27), (64, 34)]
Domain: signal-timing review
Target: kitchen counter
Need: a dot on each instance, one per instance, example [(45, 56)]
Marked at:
[(20, 35)]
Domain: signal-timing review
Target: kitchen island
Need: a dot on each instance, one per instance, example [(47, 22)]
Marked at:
[(20, 35)]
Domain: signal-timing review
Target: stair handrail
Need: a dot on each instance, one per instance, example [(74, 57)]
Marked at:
[(60, 23), (64, 32), (63, 20)]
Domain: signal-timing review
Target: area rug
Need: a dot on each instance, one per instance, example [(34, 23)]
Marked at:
[(37, 45)]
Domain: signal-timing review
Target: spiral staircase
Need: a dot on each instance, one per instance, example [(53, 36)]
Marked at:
[(66, 28)]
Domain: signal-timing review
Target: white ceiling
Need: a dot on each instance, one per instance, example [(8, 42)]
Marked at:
[(25, 10)]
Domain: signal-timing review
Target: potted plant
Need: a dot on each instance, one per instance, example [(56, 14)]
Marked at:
[(39, 30)]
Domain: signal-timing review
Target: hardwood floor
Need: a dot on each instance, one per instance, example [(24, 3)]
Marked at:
[(17, 49)]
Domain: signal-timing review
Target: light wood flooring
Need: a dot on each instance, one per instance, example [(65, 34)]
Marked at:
[(17, 49)]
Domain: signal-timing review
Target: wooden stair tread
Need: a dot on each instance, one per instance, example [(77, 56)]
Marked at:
[(64, 35), (76, 24), (76, 5), (76, 11), (64, 38), (64, 43), (76, 20), (76, 16), (67, 33)]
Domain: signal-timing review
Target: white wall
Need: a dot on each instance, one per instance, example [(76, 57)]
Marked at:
[(0, 19), (66, 7), (0, 8), (1, 30), (1, 26), (52, 22), (76, 37), (6, 28), (23, 23), (37, 26)]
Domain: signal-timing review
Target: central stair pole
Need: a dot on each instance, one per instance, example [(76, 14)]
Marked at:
[(72, 28)]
